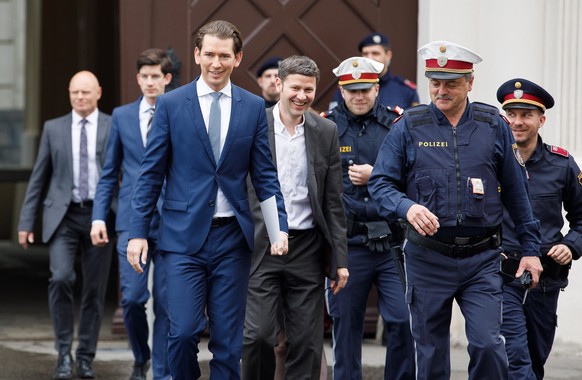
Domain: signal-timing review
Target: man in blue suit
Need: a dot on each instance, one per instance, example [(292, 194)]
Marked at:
[(207, 136), (127, 139)]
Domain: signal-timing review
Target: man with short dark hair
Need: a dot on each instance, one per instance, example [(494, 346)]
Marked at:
[(130, 127), (306, 151), (267, 80), (207, 137)]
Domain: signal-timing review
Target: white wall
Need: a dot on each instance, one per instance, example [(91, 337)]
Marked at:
[(540, 40)]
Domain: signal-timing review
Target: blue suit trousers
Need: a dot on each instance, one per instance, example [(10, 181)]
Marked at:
[(212, 282), (134, 295)]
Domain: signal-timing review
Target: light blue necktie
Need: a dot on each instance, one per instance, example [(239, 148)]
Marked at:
[(83, 163), (214, 124)]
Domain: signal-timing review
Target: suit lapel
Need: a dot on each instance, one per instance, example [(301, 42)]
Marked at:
[(271, 123), (134, 129), (310, 149), (235, 114), (193, 106), (101, 140), (67, 132)]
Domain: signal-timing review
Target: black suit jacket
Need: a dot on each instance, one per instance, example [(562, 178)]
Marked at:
[(324, 183)]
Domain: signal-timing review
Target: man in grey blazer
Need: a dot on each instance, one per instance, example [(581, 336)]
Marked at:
[(305, 148), (63, 180)]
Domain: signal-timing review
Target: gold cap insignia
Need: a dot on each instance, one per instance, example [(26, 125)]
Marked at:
[(355, 63), (442, 48), (517, 84)]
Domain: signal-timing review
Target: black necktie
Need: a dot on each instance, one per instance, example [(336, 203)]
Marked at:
[(83, 163)]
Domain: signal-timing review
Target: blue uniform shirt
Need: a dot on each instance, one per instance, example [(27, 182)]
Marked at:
[(394, 91), (455, 172), (554, 180)]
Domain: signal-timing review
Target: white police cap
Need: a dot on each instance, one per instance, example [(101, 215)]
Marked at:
[(447, 60), (358, 73)]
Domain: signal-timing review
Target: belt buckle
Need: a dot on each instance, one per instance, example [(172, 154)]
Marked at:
[(462, 240)]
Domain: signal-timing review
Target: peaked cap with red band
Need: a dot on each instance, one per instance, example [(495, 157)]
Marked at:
[(447, 60), (522, 93), (358, 73)]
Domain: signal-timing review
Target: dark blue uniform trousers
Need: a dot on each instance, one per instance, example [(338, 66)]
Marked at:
[(475, 282), (529, 330), (213, 282), (348, 309), (134, 295)]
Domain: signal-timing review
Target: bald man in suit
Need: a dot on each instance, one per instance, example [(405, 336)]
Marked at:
[(63, 180)]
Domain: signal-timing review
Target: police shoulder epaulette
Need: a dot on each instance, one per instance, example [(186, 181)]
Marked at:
[(410, 84), (506, 119), (398, 118), (418, 115), (324, 114), (557, 150), (397, 110)]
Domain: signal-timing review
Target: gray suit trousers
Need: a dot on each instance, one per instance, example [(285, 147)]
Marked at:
[(70, 239)]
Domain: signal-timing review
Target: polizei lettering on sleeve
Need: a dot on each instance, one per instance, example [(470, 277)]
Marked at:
[(433, 144)]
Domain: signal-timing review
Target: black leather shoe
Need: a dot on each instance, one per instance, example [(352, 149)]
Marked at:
[(64, 368), (84, 370), (140, 371)]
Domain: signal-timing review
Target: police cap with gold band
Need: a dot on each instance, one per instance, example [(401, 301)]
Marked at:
[(522, 93), (358, 73), (446, 60)]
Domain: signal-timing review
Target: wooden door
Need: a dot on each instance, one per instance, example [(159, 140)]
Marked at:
[(328, 31)]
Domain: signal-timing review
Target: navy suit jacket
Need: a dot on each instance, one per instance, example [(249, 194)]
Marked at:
[(124, 154), (180, 151)]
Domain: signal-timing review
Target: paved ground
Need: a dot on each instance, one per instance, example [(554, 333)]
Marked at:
[(26, 346)]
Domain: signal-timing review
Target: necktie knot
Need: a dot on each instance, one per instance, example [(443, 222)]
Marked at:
[(83, 122), (216, 95)]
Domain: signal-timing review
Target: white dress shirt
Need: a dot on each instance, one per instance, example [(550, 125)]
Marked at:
[(91, 129), (292, 173), (223, 208)]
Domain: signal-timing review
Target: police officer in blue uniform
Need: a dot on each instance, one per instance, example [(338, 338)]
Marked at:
[(267, 75), (394, 90), (448, 168), (363, 123), (529, 319)]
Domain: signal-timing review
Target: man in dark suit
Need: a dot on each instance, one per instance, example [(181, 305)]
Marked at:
[(129, 131), (207, 136), (63, 179), (305, 147)]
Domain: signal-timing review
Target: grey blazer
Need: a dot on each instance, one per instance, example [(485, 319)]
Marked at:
[(325, 187), (51, 181)]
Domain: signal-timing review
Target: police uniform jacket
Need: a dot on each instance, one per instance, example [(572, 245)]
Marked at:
[(455, 172), (360, 140), (554, 180), (394, 91)]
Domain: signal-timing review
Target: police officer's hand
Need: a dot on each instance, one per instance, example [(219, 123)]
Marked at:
[(98, 234), (359, 174), (342, 280), (533, 265), (423, 221), (137, 249), (561, 254), (25, 238)]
